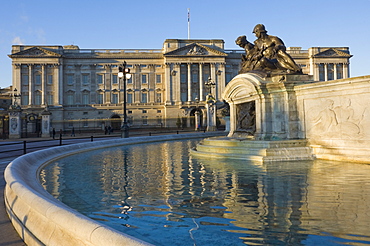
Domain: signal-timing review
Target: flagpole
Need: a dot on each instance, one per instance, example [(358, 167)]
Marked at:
[(188, 23)]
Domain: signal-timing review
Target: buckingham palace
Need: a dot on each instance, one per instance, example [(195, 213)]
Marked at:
[(80, 88)]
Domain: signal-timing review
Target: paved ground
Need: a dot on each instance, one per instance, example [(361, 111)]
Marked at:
[(8, 235)]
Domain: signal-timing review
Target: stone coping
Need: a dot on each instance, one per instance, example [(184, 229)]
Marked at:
[(40, 219)]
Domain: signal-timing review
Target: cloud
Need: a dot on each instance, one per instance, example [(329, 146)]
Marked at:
[(17, 40)]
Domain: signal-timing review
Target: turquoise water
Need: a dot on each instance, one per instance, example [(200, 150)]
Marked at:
[(159, 193)]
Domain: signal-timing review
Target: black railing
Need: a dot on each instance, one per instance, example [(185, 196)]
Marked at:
[(16, 148)]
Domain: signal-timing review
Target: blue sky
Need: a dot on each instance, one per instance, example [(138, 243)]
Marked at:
[(145, 24)]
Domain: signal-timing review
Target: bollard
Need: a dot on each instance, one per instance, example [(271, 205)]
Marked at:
[(24, 147), (150, 133), (60, 139), (92, 138)]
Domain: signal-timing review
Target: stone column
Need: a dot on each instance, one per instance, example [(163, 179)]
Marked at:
[(17, 77), (43, 84), (345, 71), (335, 71), (197, 120), (211, 115), (201, 83), (30, 85), (221, 82), (189, 82), (326, 71), (58, 83), (108, 83), (45, 126), (176, 83), (167, 76), (213, 76)]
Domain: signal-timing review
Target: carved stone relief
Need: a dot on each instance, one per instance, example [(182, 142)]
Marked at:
[(246, 118), (342, 118)]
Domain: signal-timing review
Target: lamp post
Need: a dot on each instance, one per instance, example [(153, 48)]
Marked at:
[(15, 96), (124, 73)]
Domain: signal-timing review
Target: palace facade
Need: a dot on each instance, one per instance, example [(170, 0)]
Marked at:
[(81, 88)]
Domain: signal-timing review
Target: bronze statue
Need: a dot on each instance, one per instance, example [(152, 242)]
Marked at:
[(267, 54)]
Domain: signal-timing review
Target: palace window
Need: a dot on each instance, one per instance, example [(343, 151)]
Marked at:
[(158, 97), (24, 99), (100, 79), (50, 79), (70, 79), (70, 99), (144, 79), (145, 120), (115, 79), (158, 79), (38, 79), (144, 97), (50, 99), (85, 79), (24, 79), (339, 71), (100, 98), (321, 72), (129, 97), (330, 68), (115, 98), (194, 77), (37, 98), (183, 78), (86, 98)]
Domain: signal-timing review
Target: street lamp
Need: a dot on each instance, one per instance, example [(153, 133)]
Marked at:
[(124, 73), (15, 96)]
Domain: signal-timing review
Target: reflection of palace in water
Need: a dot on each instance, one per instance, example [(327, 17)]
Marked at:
[(271, 202)]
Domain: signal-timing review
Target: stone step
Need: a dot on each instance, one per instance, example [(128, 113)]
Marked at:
[(254, 150), (225, 141)]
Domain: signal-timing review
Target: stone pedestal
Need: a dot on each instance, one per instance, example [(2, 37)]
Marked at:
[(211, 113), (264, 121), (45, 125), (227, 123), (254, 150), (15, 123), (265, 108)]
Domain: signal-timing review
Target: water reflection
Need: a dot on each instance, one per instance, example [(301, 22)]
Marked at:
[(158, 193)]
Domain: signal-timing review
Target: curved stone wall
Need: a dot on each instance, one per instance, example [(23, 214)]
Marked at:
[(40, 219)]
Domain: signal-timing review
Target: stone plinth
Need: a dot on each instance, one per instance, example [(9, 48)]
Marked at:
[(254, 150), (265, 108)]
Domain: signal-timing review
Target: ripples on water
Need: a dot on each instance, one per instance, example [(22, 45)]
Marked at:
[(158, 193)]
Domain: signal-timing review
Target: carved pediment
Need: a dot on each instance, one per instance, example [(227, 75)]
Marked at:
[(35, 52), (332, 53), (195, 49)]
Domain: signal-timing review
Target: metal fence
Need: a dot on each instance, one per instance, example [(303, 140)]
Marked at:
[(14, 148)]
